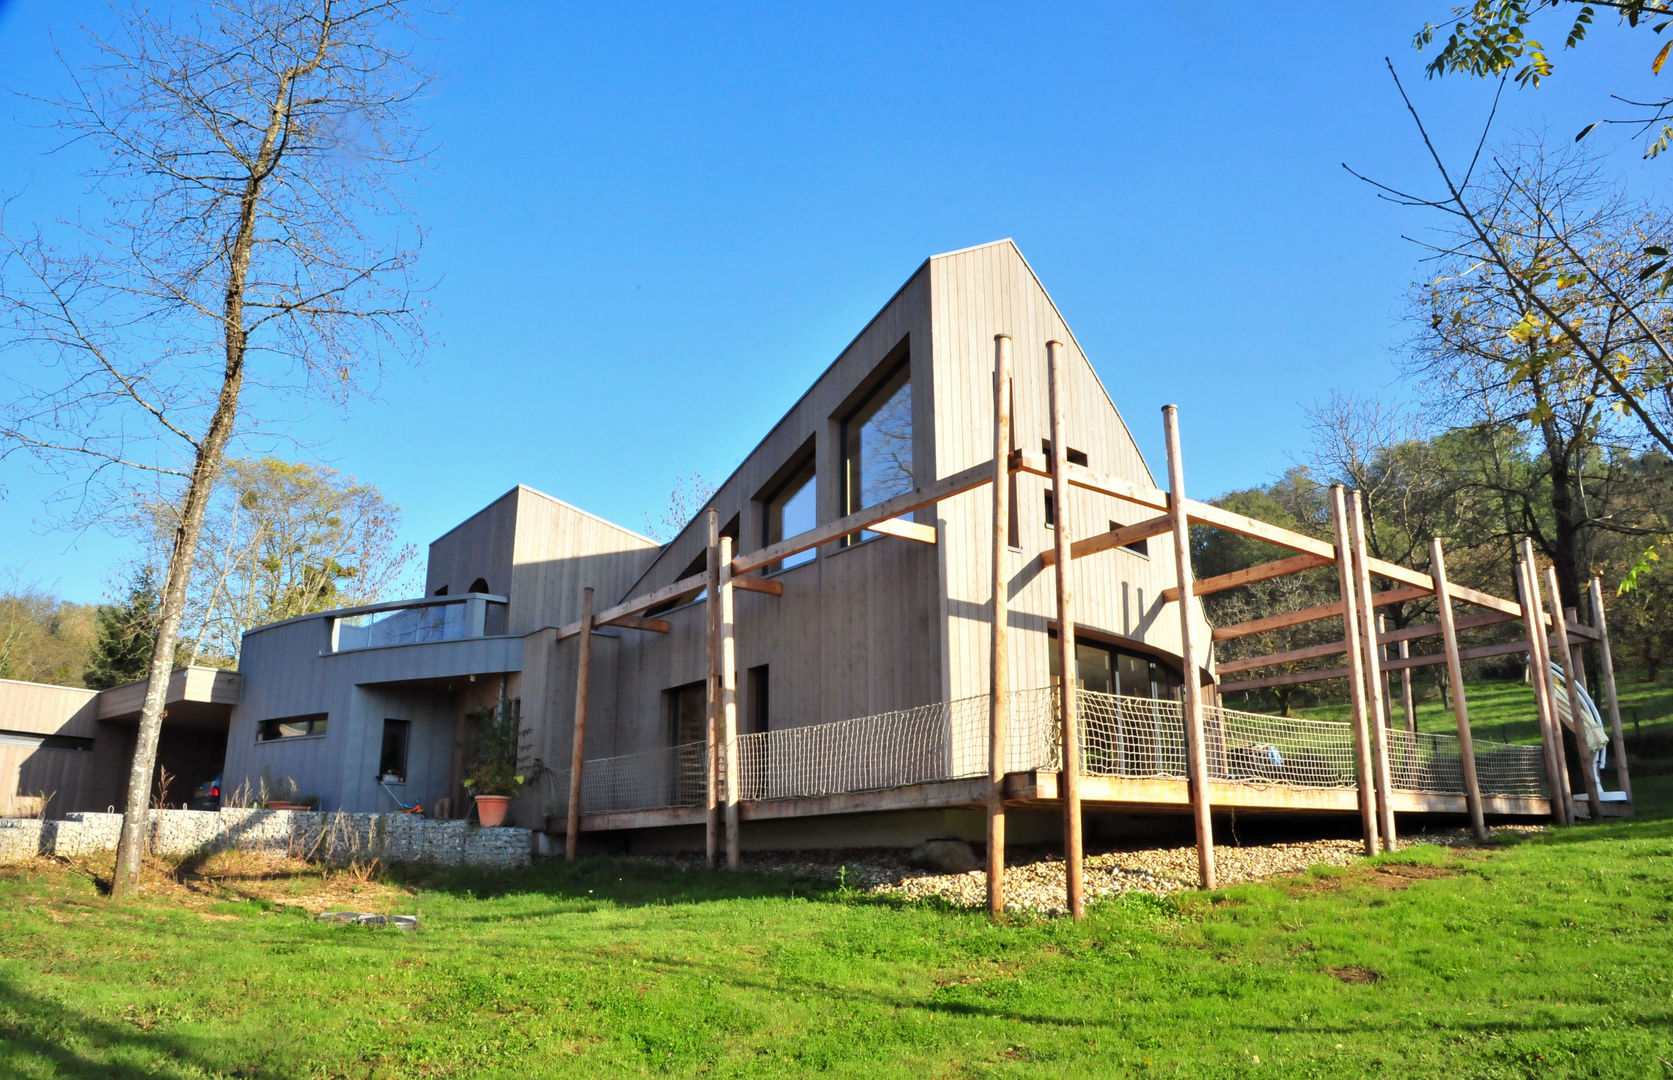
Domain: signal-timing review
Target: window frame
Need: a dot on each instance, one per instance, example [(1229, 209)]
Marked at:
[(894, 375), (800, 477), (405, 771), (318, 727)]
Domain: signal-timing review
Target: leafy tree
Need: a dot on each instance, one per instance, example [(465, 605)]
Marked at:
[(43, 639), (1295, 501), (1492, 39), (282, 539), (244, 163), (1494, 363), (127, 632)]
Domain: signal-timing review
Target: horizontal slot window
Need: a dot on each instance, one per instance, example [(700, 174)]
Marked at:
[(36, 741), (291, 727)]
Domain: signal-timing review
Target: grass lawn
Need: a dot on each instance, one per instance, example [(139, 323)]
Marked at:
[(1546, 957)]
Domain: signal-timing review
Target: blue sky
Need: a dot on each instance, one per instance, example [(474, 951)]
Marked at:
[(651, 226)]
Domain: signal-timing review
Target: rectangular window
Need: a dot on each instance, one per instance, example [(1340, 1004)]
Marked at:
[(1137, 547), (33, 740), (291, 727), (392, 761), (877, 446), (758, 708), (791, 510), (1106, 669), (1051, 512)]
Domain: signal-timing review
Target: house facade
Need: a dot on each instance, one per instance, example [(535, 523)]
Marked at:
[(854, 553), (367, 707)]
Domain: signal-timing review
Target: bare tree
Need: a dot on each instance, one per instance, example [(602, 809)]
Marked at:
[(246, 156), (689, 495)]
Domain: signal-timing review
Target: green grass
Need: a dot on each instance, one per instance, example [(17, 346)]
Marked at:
[(1547, 957)]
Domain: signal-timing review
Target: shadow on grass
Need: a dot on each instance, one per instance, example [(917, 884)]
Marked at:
[(622, 882), (35, 1029)]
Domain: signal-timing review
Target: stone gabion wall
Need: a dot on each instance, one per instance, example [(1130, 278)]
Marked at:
[(390, 838)]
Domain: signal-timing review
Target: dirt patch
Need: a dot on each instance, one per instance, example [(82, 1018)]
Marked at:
[(1401, 876), (243, 876), (1361, 975)]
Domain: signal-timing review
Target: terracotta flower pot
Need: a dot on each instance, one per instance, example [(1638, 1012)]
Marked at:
[(490, 809)]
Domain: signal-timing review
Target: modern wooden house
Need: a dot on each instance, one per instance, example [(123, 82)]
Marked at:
[(858, 641)]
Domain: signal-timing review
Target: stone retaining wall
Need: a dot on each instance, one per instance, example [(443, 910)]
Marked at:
[(390, 838)]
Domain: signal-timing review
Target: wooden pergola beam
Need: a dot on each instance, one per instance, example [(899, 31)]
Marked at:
[(1479, 652), (685, 587), (1264, 572), (1291, 679), (1200, 513), (751, 583), (869, 518), (1082, 477), (1336, 648), (1115, 538), (906, 530), (639, 622), (1309, 614), (1254, 663)]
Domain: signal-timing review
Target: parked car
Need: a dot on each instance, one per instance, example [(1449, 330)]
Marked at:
[(206, 796)]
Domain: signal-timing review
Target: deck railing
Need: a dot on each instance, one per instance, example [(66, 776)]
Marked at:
[(1121, 736)]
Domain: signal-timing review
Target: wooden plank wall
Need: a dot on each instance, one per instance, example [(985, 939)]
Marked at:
[(976, 294), (67, 775), (557, 551), (479, 547), (287, 675), (43, 709), (855, 631)]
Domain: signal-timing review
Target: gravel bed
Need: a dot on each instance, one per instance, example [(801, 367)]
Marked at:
[(1034, 877)]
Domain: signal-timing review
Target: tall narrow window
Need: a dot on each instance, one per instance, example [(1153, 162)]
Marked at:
[(756, 717), (792, 509), (687, 709), (392, 762), (877, 445)]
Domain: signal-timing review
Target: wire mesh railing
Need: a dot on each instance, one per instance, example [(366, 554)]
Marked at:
[(1120, 737), (660, 779)]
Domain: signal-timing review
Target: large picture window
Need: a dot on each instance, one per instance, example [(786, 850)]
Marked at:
[(877, 445), (791, 510)]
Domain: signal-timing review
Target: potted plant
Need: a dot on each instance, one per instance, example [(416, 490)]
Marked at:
[(492, 760)]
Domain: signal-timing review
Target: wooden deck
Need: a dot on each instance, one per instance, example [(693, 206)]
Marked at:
[(1040, 789)]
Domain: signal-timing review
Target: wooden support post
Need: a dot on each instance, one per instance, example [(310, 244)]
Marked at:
[(1406, 702), (1606, 673), (711, 729), (1538, 674), (578, 743), (1355, 672), (729, 700), (1000, 613), (1565, 660), (1196, 752), (1461, 710), (1373, 673), (1577, 650), (1068, 680), (1383, 656)]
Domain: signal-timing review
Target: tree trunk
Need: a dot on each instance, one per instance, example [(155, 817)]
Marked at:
[(130, 848), (1567, 515)]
